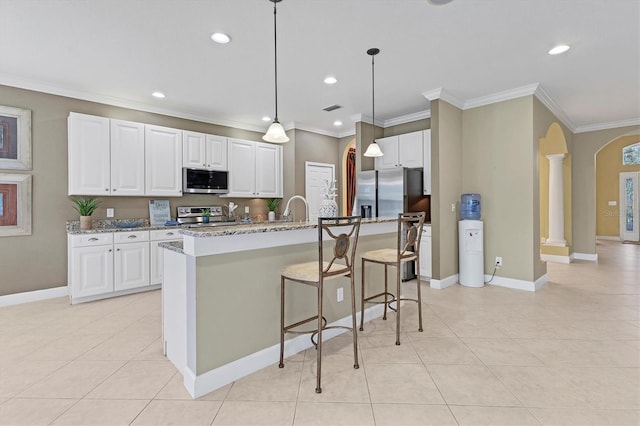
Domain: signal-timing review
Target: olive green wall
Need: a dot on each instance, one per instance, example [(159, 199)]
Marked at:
[(585, 147), (446, 179), (224, 281), (51, 205), (412, 126), (608, 168), (316, 148), (499, 162)]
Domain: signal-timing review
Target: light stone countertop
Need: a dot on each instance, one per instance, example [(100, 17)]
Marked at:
[(100, 226)]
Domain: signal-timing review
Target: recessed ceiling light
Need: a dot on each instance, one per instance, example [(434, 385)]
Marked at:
[(266, 118), (158, 95), (561, 48), (337, 123), (330, 80), (221, 38)]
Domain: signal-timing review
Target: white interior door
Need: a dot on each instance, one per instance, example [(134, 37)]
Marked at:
[(629, 206), (314, 174)]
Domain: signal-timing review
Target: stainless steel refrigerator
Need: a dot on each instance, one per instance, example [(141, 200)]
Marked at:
[(385, 193)]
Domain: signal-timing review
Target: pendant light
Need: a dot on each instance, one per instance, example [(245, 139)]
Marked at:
[(276, 132), (373, 150)]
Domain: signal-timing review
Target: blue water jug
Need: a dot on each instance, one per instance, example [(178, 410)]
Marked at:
[(470, 207)]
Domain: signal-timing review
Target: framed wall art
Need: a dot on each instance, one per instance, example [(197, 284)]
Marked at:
[(15, 205), (15, 138)]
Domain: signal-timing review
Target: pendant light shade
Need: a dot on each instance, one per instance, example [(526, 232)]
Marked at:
[(373, 150), (276, 132)]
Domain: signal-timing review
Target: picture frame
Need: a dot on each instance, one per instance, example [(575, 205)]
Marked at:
[(15, 204), (15, 138)]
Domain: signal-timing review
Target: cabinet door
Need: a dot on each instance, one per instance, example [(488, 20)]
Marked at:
[(131, 265), (88, 150), (157, 264), (163, 161), (425, 256), (410, 150), (193, 149), (242, 172), (127, 158), (216, 152), (91, 271), (389, 147), (268, 170), (426, 175)]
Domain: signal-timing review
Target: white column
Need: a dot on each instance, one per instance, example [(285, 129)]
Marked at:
[(556, 201)]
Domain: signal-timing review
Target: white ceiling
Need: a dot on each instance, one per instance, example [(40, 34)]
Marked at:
[(119, 51)]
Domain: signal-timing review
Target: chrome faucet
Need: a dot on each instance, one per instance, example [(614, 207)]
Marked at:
[(306, 205)]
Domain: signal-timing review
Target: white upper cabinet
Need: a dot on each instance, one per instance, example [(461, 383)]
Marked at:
[(400, 151), (204, 151), (426, 174), (89, 155), (255, 169), (163, 161), (127, 158), (268, 170)]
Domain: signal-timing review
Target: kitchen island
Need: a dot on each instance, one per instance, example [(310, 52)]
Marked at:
[(221, 296)]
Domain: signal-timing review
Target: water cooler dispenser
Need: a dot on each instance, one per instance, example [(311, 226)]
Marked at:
[(470, 242)]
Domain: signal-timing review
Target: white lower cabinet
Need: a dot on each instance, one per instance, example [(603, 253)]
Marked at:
[(90, 265), (107, 264), (157, 253), (131, 260), (425, 253)]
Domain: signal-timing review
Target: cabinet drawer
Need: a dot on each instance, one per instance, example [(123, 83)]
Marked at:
[(165, 234), (130, 237), (88, 240)]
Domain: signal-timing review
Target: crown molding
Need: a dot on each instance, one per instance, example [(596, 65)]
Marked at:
[(420, 115), (324, 132), (441, 93), (553, 107), (366, 119), (39, 86), (606, 126), (505, 95)]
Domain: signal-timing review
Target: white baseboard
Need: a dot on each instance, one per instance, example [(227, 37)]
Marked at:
[(608, 237), (593, 257), (518, 284), (199, 385), (33, 296), (556, 258), (441, 284)]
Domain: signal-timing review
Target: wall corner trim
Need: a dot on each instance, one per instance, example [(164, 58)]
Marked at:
[(444, 283), (593, 257)]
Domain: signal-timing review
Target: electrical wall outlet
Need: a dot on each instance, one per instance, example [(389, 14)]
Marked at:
[(340, 294), (498, 261), (453, 207), (110, 212)]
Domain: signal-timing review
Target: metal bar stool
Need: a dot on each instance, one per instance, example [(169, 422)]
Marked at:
[(407, 250), (343, 232)]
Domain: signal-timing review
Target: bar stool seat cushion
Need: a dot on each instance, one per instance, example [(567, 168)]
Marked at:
[(386, 256), (308, 271)]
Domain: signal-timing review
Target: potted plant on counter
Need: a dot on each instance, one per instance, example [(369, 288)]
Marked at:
[(272, 205), (86, 207), (206, 214)]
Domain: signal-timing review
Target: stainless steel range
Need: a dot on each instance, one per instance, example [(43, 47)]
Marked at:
[(194, 216)]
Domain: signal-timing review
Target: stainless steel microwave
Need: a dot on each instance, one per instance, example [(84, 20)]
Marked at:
[(201, 181)]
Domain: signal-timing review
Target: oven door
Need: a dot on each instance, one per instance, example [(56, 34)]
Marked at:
[(200, 181)]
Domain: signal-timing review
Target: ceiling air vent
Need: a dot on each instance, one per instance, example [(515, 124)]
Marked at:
[(332, 107)]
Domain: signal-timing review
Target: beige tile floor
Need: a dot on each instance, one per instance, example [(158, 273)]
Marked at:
[(568, 354)]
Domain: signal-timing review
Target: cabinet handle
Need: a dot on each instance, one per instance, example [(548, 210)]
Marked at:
[(106, 189), (110, 250), (93, 239), (169, 233), (118, 250), (132, 237), (114, 190)]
